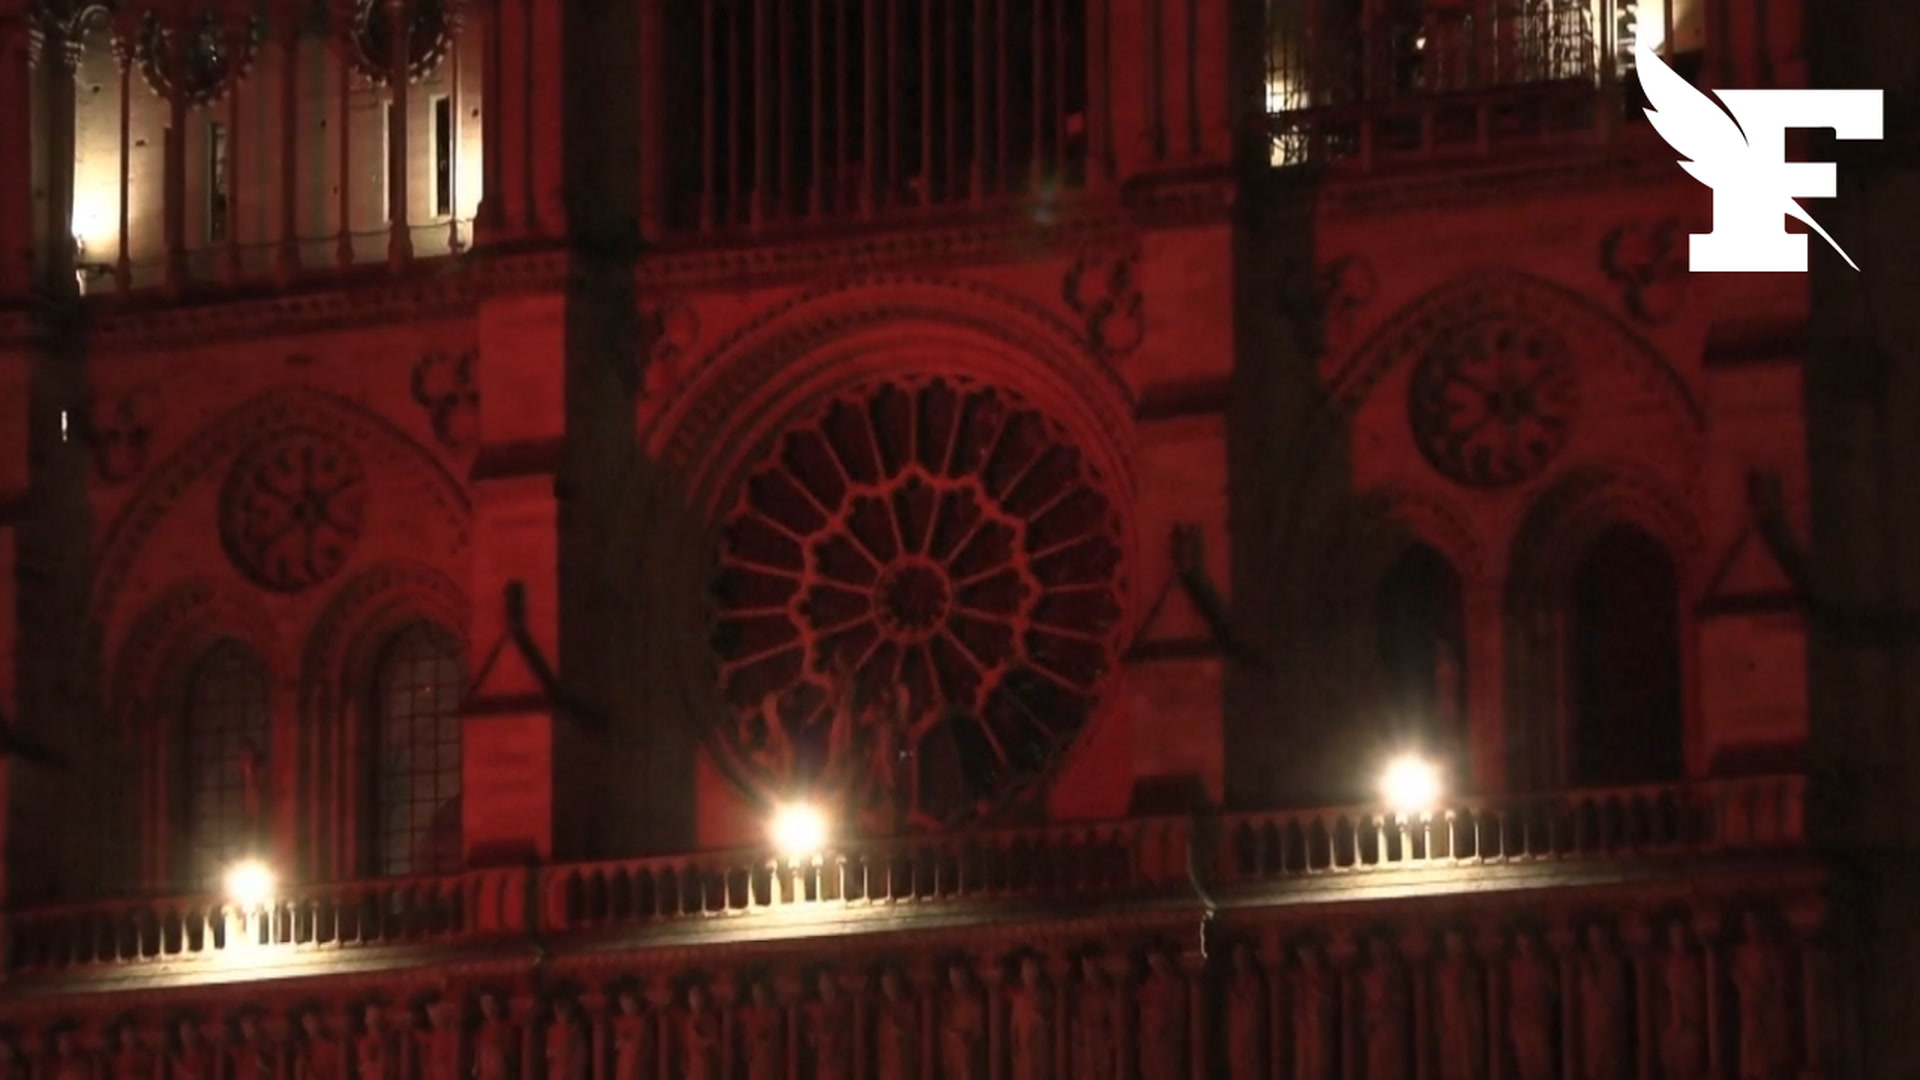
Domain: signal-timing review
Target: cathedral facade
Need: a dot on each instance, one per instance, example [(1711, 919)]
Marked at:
[(484, 473)]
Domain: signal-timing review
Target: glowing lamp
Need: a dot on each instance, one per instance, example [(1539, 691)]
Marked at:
[(1410, 785), (798, 829), (249, 884)]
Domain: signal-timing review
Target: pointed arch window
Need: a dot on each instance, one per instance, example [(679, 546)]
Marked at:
[(414, 823), (1421, 631), (223, 762), (1626, 699)]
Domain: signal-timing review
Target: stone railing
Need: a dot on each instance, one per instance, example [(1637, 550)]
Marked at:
[(1055, 870)]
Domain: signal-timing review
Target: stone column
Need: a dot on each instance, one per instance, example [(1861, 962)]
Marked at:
[(1808, 920), (1862, 380), (993, 975), (1490, 948), (17, 229), (1193, 967), (1344, 951), (1416, 946), (1706, 927)]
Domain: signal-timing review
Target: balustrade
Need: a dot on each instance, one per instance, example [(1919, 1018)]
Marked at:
[(1061, 868), (783, 112), (250, 141), (262, 141), (1394, 79)]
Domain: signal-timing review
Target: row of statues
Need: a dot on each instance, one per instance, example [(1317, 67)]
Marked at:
[(1574, 1004)]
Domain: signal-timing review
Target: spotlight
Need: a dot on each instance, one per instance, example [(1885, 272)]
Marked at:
[(249, 884), (1410, 785), (798, 829)]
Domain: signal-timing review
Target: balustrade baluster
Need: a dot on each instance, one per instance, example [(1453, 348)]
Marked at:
[(399, 15), (764, 91), (977, 175), (343, 44), (819, 128), (123, 263), (1036, 137), (288, 34)]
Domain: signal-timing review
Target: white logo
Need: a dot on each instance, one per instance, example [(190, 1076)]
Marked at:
[(1743, 158)]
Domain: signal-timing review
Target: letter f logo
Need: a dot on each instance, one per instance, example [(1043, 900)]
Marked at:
[(1743, 158)]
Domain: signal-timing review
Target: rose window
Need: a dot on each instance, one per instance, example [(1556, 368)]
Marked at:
[(1492, 402), (919, 598), (430, 28), (197, 59), (291, 513)]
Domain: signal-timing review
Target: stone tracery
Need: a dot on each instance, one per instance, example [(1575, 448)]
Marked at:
[(938, 536), (292, 511)]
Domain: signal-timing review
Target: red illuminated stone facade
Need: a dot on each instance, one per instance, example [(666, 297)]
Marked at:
[(482, 458)]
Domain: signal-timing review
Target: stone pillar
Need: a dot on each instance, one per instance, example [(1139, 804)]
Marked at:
[(17, 46)]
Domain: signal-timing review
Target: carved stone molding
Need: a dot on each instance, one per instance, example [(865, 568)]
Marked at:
[(247, 428), (1327, 302), (122, 431), (170, 632), (1102, 288), (444, 385), (671, 328), (799, 346), (454, 287), (1646, 262)]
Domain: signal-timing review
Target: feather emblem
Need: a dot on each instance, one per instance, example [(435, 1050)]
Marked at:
[(1703, 131)]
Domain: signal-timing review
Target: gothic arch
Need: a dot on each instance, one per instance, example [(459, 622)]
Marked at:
[(171, 633), (1402, 338), (1586, 501), (1544, 559), (824, 338), (151, 678), (378, 440), (905, 341), (343, 650), (1430, 520)]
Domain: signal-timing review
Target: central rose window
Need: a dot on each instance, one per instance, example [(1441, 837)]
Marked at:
[(920, 595)]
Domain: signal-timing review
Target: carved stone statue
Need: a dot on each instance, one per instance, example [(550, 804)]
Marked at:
[(830, 1033), (1316, 996), (1096, 1023), (374, 1052), (1603, 1009), (963, 1028), (1760, 982), (1163, 1019), (897, 1030), (633, 1047), (439, 1045), (496, 1047), (320, 1056), (69, 1060), (131, 1060), (191, 1059), (1683, 1027), (1532, 992), (1383, 1014), (1460, 1000), (568, 1055), (760, 1027), (252, 1057), (700, 1033), (1030, 1023), (1246, 1018)]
